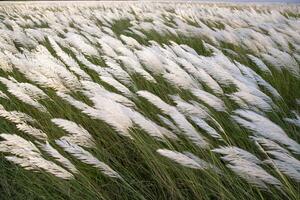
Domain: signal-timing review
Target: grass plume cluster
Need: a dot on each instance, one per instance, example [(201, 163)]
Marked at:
[(141, 100)]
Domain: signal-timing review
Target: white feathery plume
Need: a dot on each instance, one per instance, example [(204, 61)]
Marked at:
[(98, 69), (269, 144), (87, 157), (131, 42), (245, 165), (63, 56), (112, 42), (144, 123), (241, 103), (297, 57), (267, 86), (191, 109), (133, 66), (285, 163), (188, 49), (93, 90), (149, 126), (111, 113), (195, 110), (117, 85), (33, 91), (294, 121), (41, 67), (282, 60), (117, 72), (77, 104), (124, 51), (106, 49), (169, 124), (68, 60), (253, 173), (18, 146), (139, 33), (3, 95), (260, 64), (279, 39), (28, 156), (15, 116), (197, 114), (106, 110), (156, 101), (203, 163), (27, 99), (279, 158), (232, 153), (38, 163), (262, 126), (206, 127), (252, 101), (78, 135), (30, 130), (5, 65), (58, 157), (38, 35), (209, 99), (181, 159), (80, 43), (200, 75), (250, 82), (151, 61), (177, 76), (187, 129), (23, 92), (211, 67), (81, 73), (167, 133)]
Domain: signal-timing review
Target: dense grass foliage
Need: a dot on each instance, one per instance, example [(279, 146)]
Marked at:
[(133, 100)]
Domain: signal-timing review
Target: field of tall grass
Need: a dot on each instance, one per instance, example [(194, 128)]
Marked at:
[(152, 101)]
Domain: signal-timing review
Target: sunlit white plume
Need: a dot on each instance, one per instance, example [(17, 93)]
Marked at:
[(27, 155), (183, 159), (25, 92), (279, 158), (246, 165), (50, 150), (188, 130), (262, 126), (77, 134), (15, 116), (128, 80), (86, 157)]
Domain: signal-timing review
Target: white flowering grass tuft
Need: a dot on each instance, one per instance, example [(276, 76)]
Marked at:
[(87, 157), (166, 100), (26, 154), (78, 135)]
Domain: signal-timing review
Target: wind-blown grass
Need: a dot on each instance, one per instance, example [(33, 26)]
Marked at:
[(135, 100)]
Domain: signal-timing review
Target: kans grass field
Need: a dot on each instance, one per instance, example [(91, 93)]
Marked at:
[(141, 100)]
